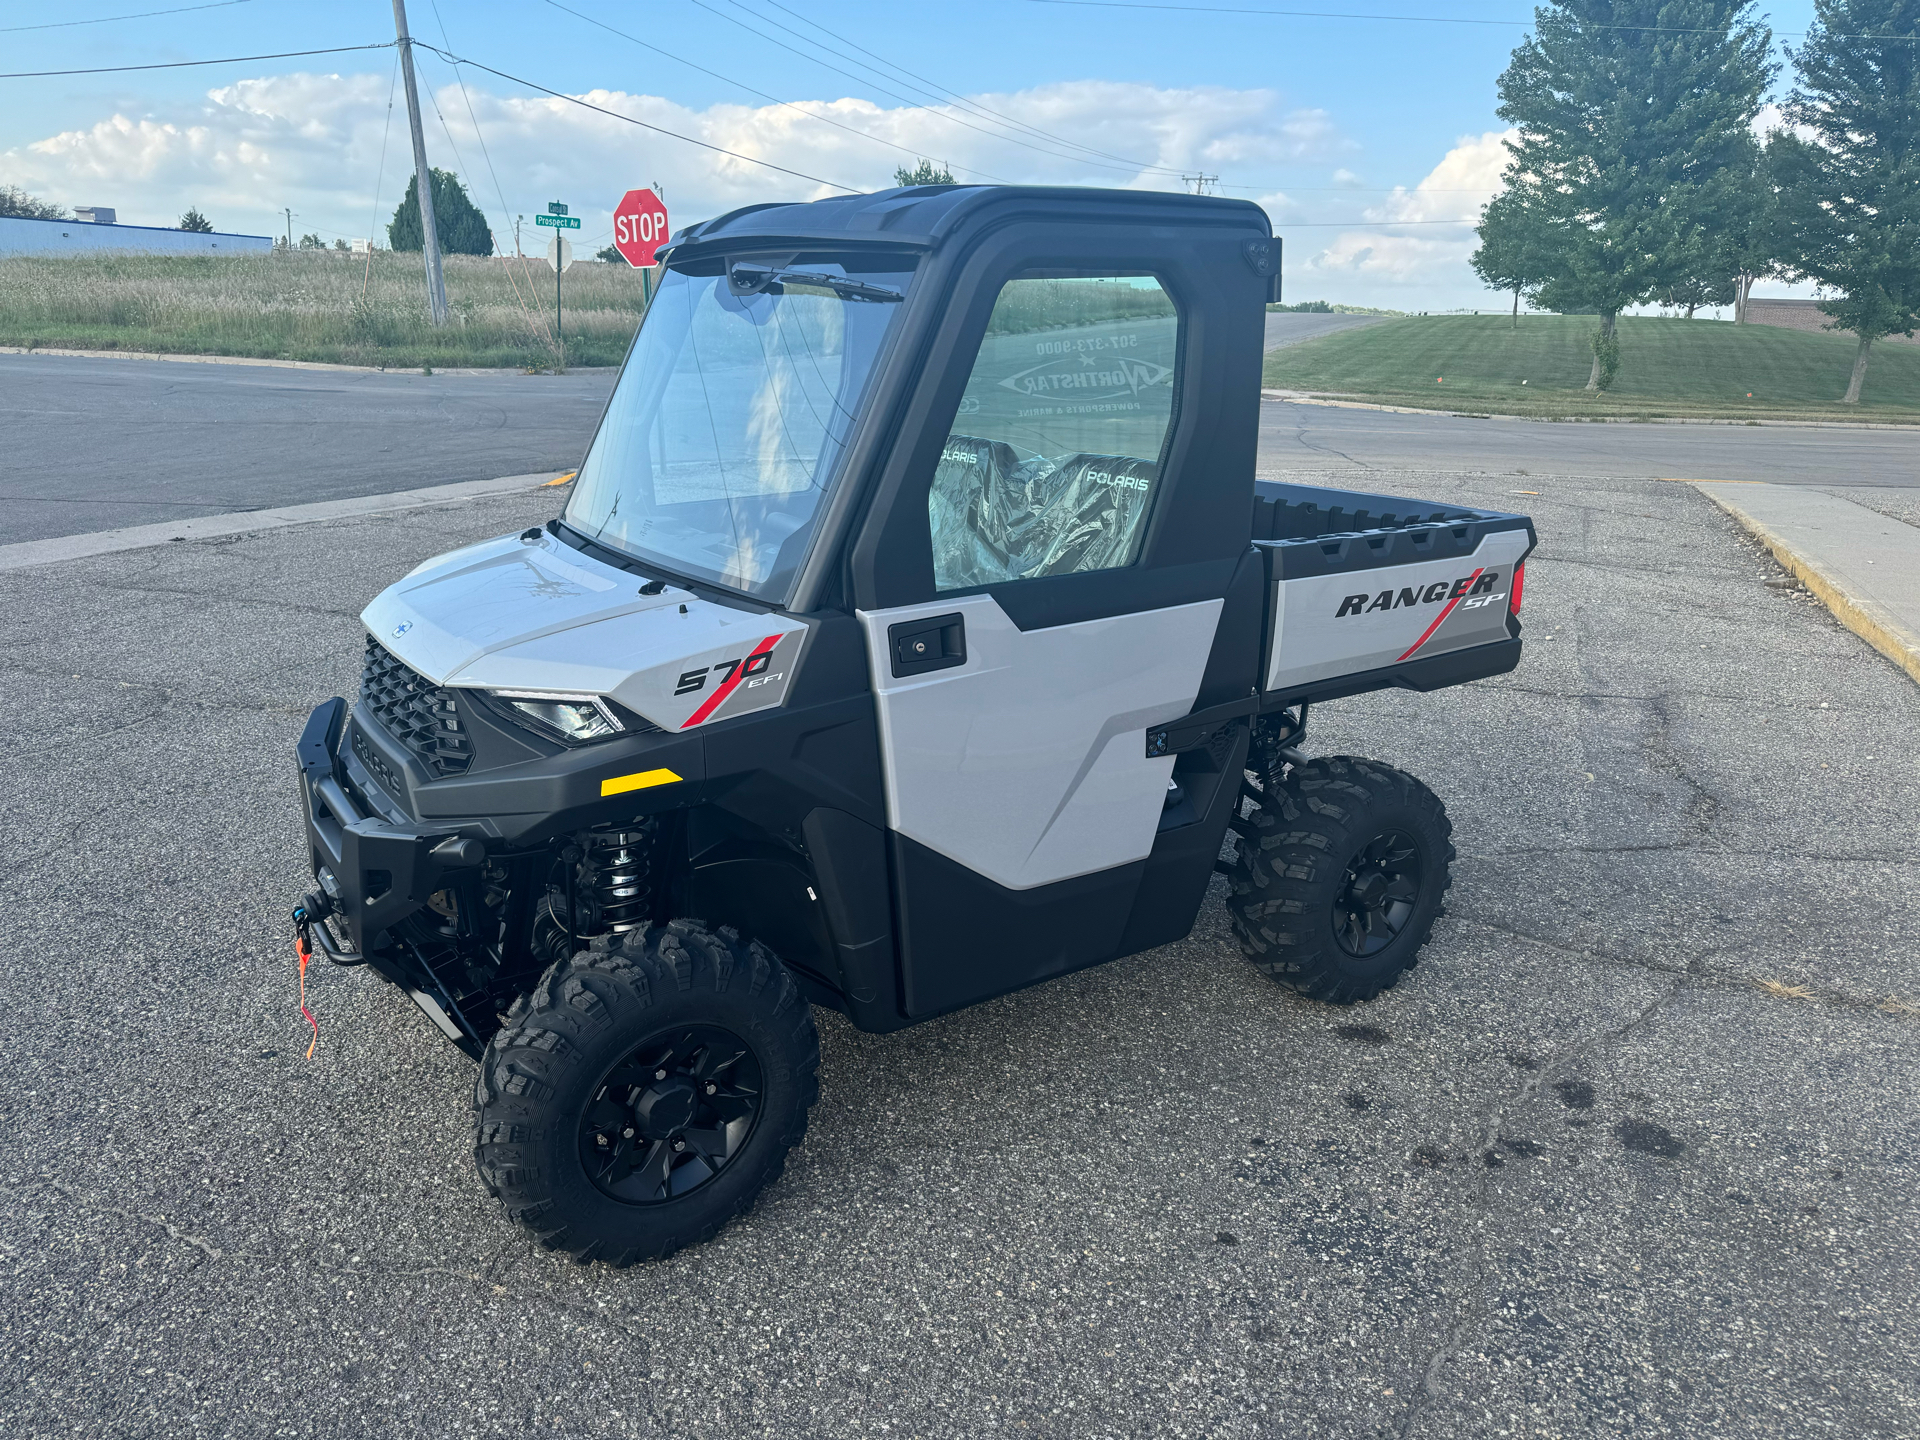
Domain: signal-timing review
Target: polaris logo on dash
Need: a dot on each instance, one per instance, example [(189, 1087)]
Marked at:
[(1477, 584)]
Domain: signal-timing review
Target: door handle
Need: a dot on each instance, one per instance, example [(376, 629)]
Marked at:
[(935, 642)]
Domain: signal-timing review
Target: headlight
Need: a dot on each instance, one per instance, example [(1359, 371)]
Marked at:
[(569, 718)]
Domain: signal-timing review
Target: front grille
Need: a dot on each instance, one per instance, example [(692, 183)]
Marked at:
[(414, 711)]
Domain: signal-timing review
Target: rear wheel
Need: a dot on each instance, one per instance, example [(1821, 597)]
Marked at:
[(645, 1092), (1339, 876)]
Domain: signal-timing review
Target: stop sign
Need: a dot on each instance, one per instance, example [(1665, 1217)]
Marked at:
[(640, 227)]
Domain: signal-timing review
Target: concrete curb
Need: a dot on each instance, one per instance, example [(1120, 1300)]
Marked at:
[(291, 364), (1308, 397), (1862, 614), (23, 554)]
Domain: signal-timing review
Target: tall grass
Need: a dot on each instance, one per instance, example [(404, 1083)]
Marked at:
[(319, 305)]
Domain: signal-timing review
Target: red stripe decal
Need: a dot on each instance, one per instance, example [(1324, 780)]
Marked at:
[(726, 687), (1439, 618)]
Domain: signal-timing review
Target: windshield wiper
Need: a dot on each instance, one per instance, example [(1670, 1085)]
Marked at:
[(753, 279)]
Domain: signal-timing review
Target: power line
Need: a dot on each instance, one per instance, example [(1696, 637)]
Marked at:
[(1410, 19), (109, 19), (742, 85), (184, 64), (453, 59), (958, 98), (1129, 168)]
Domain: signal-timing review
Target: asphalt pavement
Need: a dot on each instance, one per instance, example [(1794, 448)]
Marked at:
[(96, 444), (1631, 1152), (103, 444), (1287, 328), (1301, 438)]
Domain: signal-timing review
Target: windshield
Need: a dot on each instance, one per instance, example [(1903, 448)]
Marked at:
[(726, 429)]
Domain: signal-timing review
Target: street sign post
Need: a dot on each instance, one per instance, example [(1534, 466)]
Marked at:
[(560, 255)]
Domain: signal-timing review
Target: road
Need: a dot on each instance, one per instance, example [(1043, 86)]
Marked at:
[(1300, 437), (1287, 328), (1583, 1173), (101, 444)]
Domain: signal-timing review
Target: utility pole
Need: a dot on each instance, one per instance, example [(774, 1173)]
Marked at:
[(289, 210), (423, 178), (1202, 183)]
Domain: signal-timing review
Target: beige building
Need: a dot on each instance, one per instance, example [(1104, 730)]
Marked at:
[(1800, 315)]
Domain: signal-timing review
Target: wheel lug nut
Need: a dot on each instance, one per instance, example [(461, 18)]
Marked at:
[(660, 1075), (680, 1145), (712, 1089), (628, 1132), (599, 1140)]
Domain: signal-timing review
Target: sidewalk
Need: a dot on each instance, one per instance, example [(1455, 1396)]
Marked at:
[(1866, 567)]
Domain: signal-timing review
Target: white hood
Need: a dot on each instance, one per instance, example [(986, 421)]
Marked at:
[(458, 607)]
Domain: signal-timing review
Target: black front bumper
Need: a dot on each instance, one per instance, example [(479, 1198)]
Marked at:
[(373, 873)]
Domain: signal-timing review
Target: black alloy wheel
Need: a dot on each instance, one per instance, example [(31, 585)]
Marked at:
[(671, 1116), (645, 1091), (1338, 876), (1377, 894)]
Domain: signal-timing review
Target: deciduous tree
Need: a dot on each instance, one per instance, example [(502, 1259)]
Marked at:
[(1633, 117), (1848, 193)]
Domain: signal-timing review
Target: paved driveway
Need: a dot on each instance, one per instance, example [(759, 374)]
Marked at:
[(1581, 1174)]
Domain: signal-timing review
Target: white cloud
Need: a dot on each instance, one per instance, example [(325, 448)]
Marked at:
[(314, 143), (1416, 256)]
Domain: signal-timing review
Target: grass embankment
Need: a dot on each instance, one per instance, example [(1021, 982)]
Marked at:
[(318, 305), (1669, 368)]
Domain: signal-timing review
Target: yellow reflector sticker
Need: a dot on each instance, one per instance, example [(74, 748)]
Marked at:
[(638, 781)]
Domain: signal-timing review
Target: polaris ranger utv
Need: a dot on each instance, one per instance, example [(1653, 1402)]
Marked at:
[(915, 631)]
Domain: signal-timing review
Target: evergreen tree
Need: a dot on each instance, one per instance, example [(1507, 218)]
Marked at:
[(1633, 115), (193, 220), (1848, 197), (461, 227), (1514, 253), (925, 173)]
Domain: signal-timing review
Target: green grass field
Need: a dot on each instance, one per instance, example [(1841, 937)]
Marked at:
[(318, 305), (1669, 368)]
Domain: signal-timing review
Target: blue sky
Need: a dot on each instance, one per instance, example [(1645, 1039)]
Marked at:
[(1321, 120)]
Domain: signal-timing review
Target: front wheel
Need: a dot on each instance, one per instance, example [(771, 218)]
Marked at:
[(1339, 876), (645, 1092)]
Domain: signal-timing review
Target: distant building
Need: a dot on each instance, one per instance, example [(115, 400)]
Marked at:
[(93, 214), (20, 236), (1800, 315)]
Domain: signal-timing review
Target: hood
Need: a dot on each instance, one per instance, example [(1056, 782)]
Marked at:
[(458, 607)]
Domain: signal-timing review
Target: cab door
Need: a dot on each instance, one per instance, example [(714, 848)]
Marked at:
[(1043, 580)]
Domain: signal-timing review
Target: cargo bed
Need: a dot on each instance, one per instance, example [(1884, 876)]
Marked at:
[(1369, 591)]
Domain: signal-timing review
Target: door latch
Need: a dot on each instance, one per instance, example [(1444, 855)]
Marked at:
[(935, 642)]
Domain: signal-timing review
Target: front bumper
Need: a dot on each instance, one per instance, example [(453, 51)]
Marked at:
[(373, 872)]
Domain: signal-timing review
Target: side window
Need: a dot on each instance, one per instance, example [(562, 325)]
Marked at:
[(1054, 458)]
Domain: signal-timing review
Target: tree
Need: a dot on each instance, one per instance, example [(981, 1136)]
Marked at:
[(457, 220), (1511, 254), (193, 220), (610, 255), (1632, 116), (925, 173), (310, 241), (19, 204), (1848, 195), (341, 245)]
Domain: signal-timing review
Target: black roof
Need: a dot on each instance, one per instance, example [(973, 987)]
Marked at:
[(921, 216)]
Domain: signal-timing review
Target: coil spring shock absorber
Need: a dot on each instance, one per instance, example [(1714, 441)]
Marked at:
[(615, 872)]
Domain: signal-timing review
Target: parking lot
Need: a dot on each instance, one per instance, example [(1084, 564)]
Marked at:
[(1632, 1151)]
